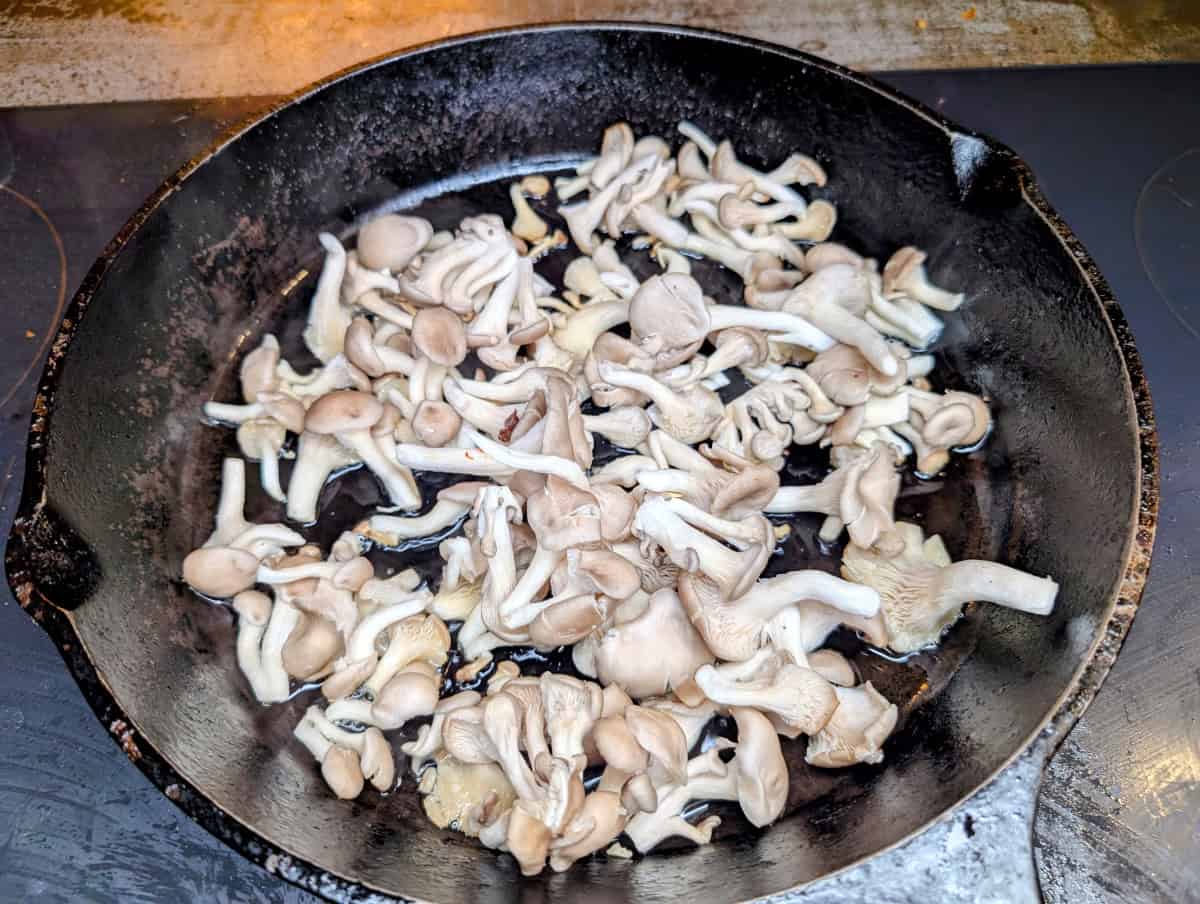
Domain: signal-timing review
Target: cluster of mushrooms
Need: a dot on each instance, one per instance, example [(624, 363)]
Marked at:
[(648, 566)]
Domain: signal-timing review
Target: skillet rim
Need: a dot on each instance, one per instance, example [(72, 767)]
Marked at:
[(59, 624)]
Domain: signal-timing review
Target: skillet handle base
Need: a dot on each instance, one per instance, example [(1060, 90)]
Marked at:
[(981, 851)]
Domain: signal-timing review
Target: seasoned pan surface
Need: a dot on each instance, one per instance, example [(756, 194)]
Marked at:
[(122, 474)]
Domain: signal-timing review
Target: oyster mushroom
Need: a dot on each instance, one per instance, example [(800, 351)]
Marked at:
[(391, 241), (349, 415), (735, 627), (669, 315), (456, 789), (904, 274), (796, 699), (921, 597), (693, 550), (327, 318), (861, 723)]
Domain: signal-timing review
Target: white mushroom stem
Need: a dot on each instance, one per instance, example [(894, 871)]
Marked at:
[(516, 608), (390, 530), (230, 518), (275, 682), (581, 329), (686, 547), (328, 320), (228, 413), (361, 644), (525, 461), (480, 413), (697, 136), (626, 425), (317, 457), (448, 460), (689, 416)]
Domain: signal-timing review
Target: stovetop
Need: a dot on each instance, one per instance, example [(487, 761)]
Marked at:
[(1116, 150)]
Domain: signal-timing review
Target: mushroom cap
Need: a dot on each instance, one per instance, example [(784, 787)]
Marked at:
[(342, 772), (672, 306), (353, 574), (616, 743), (359, 348), (376, 760), (253, 606), (745, 493), (439, 335), (343, 411), (843, 374), (762, 774), (562, 515), (639, 794), (347, 679), (391, 242), (311, 647), (425, 637), (220, 571), (617, 511), (662, 737), (567, 622), (862, 722), (528, 838), (287, 411), (436, 423), (833, 667), (464, 737), (901, 266), (824, 254), (653, 653), (407, 696)]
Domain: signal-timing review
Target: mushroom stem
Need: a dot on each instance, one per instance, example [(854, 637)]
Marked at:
[(975, 579), (534, 578), (451, 460), (525, 461), (579, 333), (328, 320), (317, 457), (231, 506), (391, 530)]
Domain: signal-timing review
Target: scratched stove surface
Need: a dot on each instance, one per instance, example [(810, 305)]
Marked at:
[(1117, 151)]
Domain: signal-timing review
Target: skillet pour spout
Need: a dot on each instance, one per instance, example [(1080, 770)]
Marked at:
[(121, 472)]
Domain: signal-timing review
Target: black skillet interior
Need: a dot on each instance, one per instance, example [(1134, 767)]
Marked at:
[(130, 473)]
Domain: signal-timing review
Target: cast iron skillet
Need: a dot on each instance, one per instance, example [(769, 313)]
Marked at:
[(121, 475)]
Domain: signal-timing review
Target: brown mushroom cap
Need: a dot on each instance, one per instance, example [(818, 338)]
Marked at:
[(359, 348), (439, 335), (346, 680), (616, 744), (253, 606), (762, 774), (662, 737), (407, 696), (343, 411), (833, 667), (220, 571), (436, 423), (391, 242), (377, 762), (528, 839), (342, 772), (287, 411), (567, 622), (311, 647), (900, 266)]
